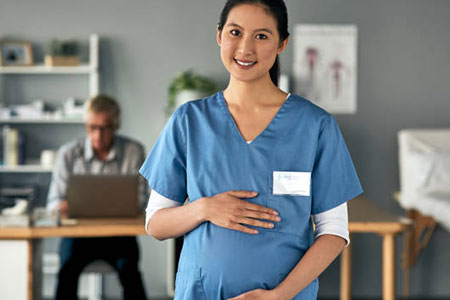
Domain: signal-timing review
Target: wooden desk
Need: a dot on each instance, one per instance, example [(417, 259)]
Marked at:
[(82, 228), (365, 217)]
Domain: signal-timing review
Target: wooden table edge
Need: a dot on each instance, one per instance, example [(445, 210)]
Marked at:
[(377, 227)]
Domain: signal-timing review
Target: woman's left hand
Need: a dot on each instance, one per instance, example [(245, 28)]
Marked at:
[(257, 295)]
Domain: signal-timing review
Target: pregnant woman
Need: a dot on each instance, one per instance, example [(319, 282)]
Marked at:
[(240, 173)]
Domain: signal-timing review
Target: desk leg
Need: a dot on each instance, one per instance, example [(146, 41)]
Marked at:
[(34, 281), (346, 273), (388, 266), (30, 269)]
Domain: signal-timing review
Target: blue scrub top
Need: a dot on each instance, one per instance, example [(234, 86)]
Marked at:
[(201, 153)]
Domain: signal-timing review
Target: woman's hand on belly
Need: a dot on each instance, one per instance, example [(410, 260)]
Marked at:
[(229, 211), (257, 295)]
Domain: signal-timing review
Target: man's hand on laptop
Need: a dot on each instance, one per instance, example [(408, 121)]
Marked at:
[(63, 206)]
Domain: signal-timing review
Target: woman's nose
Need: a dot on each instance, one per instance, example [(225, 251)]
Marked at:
[(246, 47)]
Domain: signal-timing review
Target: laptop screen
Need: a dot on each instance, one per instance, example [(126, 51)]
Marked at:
[(102, 196)]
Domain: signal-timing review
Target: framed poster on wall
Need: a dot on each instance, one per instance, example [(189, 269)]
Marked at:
[(325, 65)]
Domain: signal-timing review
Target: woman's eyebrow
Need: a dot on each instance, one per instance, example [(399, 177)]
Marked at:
[(265, 30), (260, 29), (233, 25)]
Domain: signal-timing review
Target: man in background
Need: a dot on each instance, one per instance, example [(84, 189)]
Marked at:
[(101, 152)]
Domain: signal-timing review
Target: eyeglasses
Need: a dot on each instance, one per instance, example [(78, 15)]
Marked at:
[(105, 128)]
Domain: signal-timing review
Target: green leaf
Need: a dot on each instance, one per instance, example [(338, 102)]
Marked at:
[(188, 80)]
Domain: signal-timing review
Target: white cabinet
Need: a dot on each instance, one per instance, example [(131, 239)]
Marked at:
[(14, 270)]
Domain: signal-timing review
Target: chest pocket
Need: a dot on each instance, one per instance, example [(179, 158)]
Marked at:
[(289, 194)]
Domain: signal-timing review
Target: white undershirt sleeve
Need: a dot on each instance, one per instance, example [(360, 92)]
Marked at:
[(333, 221), (155, 203)]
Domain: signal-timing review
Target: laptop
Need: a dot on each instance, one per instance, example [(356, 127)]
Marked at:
[(103, 196)]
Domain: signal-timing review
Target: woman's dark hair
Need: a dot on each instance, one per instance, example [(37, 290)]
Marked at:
[(277, 9)]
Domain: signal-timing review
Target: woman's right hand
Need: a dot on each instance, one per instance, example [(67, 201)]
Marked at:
[(228, 210)]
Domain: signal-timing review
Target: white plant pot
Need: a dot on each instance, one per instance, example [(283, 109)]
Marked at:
[(184, 96)]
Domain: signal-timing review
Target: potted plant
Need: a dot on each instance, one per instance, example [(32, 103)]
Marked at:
[(62, 53), (188, 86)]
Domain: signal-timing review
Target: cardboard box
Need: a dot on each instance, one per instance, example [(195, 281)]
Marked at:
[(53, 61)]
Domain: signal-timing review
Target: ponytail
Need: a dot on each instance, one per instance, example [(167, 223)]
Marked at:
[(275, 72)]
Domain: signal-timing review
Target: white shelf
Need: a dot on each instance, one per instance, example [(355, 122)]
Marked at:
[(43, 69), (25, 169), (42, 121), (90, 69)]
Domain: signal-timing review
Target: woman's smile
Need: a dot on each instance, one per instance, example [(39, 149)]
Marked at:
[(245, 64)]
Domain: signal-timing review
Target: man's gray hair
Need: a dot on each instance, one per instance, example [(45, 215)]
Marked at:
[(104, 103)]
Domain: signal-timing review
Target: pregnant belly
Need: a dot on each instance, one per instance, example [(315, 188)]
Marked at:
[(233, 262)]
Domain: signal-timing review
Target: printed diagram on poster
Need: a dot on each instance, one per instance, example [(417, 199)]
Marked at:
[(325, 66)]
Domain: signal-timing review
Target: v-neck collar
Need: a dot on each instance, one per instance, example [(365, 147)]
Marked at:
[(271, 124)]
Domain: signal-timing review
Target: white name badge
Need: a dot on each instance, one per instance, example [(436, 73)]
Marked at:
[(291, 183)]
